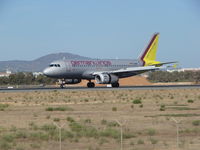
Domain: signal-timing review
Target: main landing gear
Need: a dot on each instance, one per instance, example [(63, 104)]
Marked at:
[(116, 84), (90, 84)]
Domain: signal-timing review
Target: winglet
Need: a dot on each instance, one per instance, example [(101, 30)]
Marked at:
[(148, 57)]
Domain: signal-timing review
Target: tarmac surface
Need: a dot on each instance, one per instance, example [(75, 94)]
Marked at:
[(78, 88)]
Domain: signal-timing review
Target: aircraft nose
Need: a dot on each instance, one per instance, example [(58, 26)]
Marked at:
[(47, 72)]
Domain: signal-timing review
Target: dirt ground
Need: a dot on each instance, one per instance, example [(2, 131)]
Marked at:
[(90, 119)]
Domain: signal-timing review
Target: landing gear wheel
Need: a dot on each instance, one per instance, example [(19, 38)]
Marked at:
[(90, 85), (115, 84), (61, 86)]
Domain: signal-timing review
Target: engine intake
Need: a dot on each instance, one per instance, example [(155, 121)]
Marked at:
[(104, 78)]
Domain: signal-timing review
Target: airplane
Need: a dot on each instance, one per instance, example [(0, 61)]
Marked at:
[(105, 71)]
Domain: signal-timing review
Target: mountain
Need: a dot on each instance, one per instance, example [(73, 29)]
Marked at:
[(36, 65)]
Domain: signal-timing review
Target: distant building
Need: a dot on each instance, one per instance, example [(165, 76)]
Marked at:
[(184, 69), (5, 74), (36, 74), (189, 69)]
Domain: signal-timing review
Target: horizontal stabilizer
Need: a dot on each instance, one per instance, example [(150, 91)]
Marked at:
[(165, 63)]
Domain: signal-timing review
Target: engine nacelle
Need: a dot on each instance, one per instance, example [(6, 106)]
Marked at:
[(104, 78), (71, 81)]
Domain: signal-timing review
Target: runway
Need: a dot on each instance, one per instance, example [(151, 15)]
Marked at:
[(76, 88)]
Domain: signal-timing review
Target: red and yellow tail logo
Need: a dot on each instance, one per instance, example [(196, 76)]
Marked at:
[(148, 57)]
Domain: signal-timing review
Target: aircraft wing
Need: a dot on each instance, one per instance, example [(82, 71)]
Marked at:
[(133, 70)]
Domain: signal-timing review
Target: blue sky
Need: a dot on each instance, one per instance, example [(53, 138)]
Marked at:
[(100, 28)]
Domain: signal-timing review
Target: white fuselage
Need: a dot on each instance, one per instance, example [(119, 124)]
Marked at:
[(82, 69)]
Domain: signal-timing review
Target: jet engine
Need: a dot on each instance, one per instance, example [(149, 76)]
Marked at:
[(104, 78)]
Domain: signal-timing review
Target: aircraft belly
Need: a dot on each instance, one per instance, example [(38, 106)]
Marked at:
[(72, 75)]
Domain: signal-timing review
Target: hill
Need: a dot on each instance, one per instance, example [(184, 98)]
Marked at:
[(36, 65)]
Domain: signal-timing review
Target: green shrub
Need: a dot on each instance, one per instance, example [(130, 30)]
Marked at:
[(190, 101), (153, 141), (8, 138), (48, 116), (87, 120), (128, 135), (82, 130), (140, 141), (49, 109), (20, 148), (35, 115), (151, 132), (86, 100), (70, 119), (76, 127), (13, 129), (3, 106), (183, 108), (132, 106), (137, 101), (33, 126), (67, 134), (114, 109), (196, 122), (162, 107), (112, 124), (132, 143), (48, 127), (4, 145), (39, 136), (56, 119), (35, 145), (103, 122), (141, 106), (90, 132), (109, 132), (59, 109), (102, 141), (23, 134)]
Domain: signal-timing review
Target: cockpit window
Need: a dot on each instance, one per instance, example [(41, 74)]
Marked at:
[(54, 65)]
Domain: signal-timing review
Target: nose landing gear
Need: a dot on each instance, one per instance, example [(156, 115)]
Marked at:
[(61, 82), (62, 86)]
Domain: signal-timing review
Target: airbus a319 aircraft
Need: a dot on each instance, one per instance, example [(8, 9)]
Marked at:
[(107, 71)]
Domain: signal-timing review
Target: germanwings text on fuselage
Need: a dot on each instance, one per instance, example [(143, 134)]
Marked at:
[(91, 63)]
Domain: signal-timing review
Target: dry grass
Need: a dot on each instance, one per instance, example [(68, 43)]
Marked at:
[(147, 127)]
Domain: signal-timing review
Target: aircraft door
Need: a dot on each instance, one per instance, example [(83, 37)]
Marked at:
[(68, 66)]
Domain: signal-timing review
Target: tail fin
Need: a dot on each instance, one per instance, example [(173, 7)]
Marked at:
[(148, 57)]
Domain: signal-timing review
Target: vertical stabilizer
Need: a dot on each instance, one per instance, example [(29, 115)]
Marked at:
[(148, 57)]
